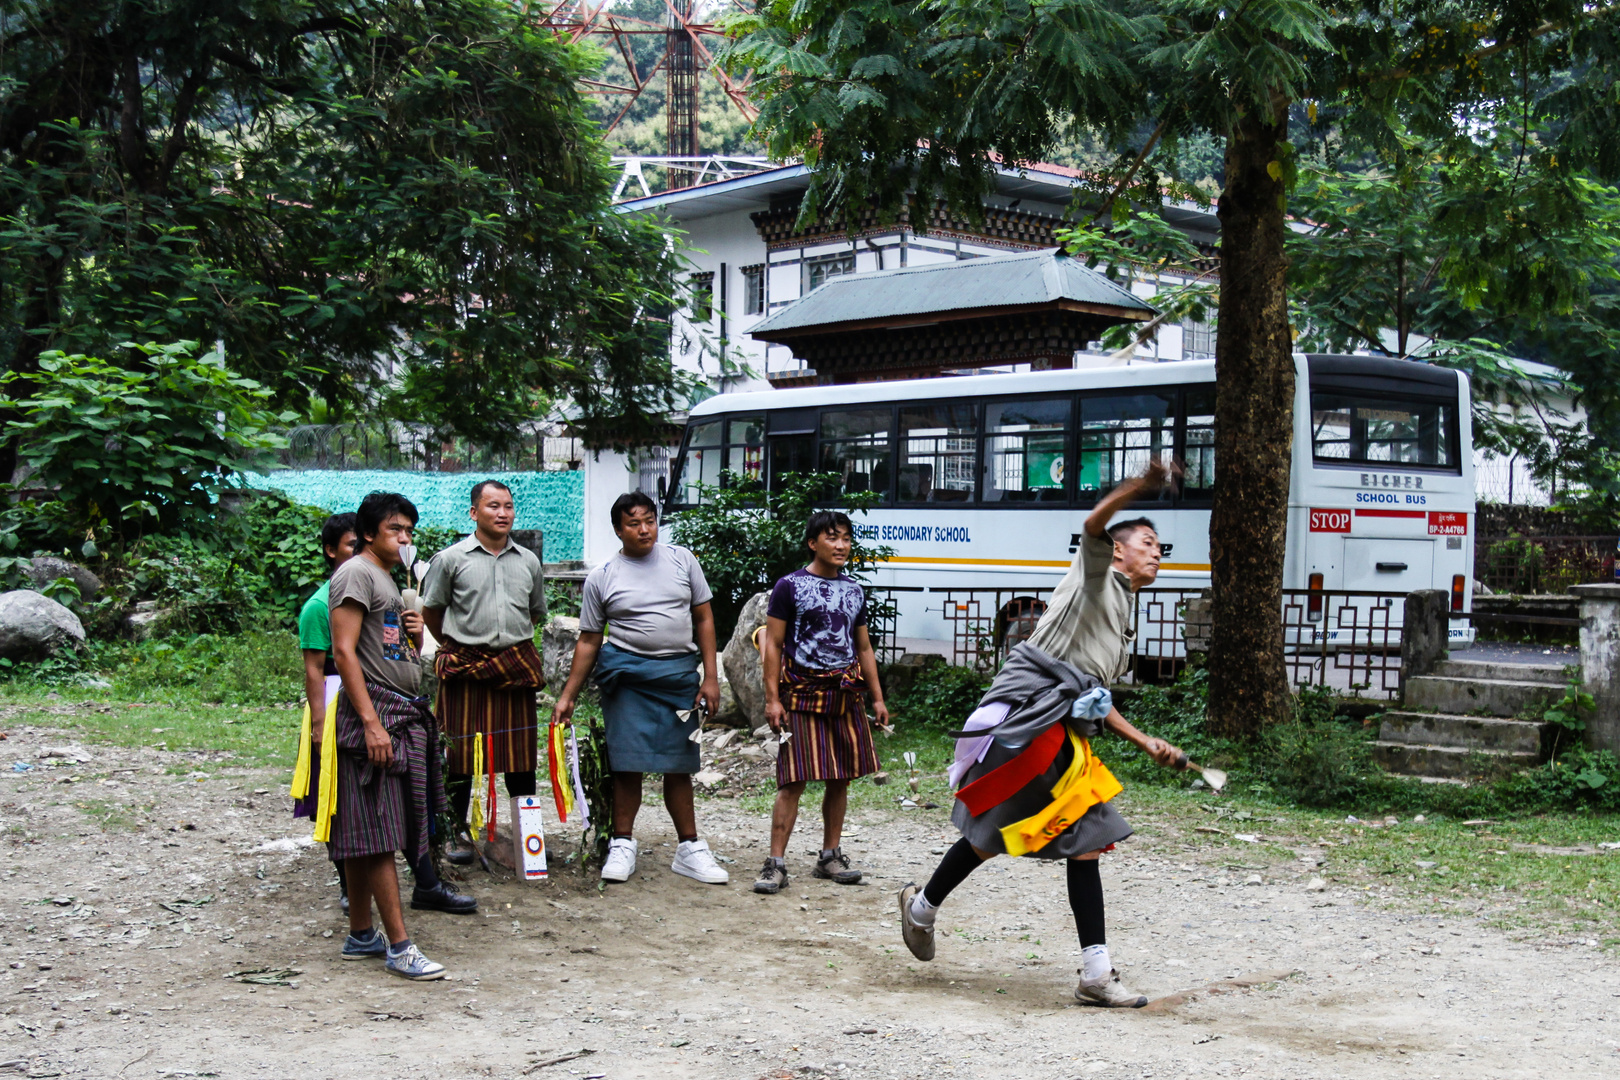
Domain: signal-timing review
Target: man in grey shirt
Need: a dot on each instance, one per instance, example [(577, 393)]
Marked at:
[(652, 605)]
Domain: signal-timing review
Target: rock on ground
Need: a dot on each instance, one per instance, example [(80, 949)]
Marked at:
[(35, 625), (47, 568), (557, 643), (744, 668)]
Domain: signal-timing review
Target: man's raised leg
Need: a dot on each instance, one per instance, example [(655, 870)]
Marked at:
[(918, 907)]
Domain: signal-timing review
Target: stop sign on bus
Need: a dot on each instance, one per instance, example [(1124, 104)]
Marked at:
[(1332, 521)]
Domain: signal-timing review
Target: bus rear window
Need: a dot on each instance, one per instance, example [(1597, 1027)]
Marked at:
[(1368, 429)]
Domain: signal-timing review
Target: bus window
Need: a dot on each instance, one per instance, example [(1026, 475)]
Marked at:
[(1026, 454), (857, 445), (938, 447), (1119, 435), (791, 454), (1354, 428), (703, 457), (1199, 450), (745, 447)]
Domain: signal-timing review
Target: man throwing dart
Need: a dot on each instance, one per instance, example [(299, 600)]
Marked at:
[(1028, 783)]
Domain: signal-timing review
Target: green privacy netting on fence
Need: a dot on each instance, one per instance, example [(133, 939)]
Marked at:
[(552, 501)]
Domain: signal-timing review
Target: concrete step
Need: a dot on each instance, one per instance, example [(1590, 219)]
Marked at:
[(1462, 732), (1480, 697), (1501, 669), (1447, 762)]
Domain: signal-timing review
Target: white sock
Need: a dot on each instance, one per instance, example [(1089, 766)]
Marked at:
[(1095, 963), (922, 912)]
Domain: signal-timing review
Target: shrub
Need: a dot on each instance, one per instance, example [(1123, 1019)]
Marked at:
[(943, 696)]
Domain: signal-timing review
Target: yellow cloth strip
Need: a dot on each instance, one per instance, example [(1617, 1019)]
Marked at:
[(475, 809), (1086, 783), (306, 738), (300, 780), (326, 797)]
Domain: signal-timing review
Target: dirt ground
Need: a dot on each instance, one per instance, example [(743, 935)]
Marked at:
[(121, 928)]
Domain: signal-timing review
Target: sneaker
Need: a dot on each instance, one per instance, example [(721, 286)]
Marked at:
[(343, 901), (443, 898), (621, 860), (693, 859), (834, 865), (773, 878), (409, 963), (459, 851), (356, 949), (918, 938), (1109, 993)]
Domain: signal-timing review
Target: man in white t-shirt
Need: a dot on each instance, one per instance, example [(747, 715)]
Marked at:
[(651, 605)]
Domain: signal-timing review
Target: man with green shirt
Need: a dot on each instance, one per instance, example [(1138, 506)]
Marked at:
[(321, 680)]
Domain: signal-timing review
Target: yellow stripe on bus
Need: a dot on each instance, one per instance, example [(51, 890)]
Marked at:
[(1063, 564)]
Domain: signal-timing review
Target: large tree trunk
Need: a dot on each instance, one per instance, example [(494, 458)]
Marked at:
[(1254, 409)]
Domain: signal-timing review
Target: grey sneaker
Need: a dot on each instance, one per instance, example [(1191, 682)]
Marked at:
[(773, 878), (834, 865), (355, 949), (918, 938), (409, 963), (1108, 993)]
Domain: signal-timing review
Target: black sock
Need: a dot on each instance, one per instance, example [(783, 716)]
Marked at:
[(686, 839), (519, 783), (343, 877), (1086, 901), (458, 789), (953, 869), (422, 870)]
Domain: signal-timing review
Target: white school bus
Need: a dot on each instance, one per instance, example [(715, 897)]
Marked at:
[(984, 481)]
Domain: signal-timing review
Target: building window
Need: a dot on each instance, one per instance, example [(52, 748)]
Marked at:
[(753, 290), (1197, 340), (701, 305), (819, 270)]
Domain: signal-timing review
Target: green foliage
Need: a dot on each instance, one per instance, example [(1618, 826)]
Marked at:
[(942, 696), (562, 598), (251, 668), (331, 189), (746, 537), (136, 446)]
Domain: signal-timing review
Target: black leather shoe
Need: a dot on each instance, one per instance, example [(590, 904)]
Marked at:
[(443, 898), (459, 852)]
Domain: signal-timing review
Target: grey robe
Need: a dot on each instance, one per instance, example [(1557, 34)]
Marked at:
[(1040, 690)]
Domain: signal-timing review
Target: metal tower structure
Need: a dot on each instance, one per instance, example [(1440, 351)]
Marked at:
[(684, 61)]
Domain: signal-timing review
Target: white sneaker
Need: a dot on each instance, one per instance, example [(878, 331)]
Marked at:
[(1107, 992), (694, 859), (621, 860)]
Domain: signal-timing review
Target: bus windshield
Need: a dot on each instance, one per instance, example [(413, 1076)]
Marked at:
[(1357, 428)]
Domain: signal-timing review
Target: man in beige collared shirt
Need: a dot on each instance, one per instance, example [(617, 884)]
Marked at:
[(482, 598)]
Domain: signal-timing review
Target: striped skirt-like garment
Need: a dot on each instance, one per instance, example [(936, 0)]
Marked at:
[(826, 714), (382, 810), (489, 692)]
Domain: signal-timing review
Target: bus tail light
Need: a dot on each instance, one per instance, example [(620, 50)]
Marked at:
[(1458, 584), (1313, 603)]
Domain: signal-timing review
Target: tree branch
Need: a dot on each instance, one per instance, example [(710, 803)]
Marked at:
[(1130, 174)]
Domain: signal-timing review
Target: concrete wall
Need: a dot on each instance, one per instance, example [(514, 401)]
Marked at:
[(551, 501)]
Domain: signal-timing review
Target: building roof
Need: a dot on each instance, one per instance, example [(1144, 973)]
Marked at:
[(968, 289), (1053, 184)]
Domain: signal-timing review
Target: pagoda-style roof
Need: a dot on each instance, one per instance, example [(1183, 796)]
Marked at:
[(969, 289), (1037, 307)]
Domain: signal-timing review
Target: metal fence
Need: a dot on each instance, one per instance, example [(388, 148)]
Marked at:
[(1540, 565), (1346, 640), (411, 448)]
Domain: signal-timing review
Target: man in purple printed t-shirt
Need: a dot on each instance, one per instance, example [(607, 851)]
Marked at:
[(819, 664)]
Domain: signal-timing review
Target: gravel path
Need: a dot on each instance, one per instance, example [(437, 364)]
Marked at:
[(116, 945)]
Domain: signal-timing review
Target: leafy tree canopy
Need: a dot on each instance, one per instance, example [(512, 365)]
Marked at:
[(387, 204)]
